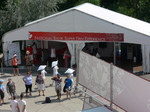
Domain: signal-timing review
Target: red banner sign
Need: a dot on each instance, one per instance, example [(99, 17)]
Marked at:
[(77, 36)]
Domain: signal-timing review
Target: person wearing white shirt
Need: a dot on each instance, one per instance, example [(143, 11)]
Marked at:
[(13, 104), (43, 72), (55, 72), (71, 77), (22, 104)]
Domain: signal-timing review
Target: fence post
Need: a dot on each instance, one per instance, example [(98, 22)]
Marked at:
[(111, 84), (2, 67)]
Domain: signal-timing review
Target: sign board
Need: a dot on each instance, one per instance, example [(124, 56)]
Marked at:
[(13, 48), (77, 36)]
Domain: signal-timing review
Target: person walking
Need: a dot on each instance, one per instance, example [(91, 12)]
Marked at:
[(2, 92), (28, 83), (55, 70), (70, 71), (22, 104), (28, 61), (13, 104), (68, 84), (40, 83), (58, 86), (14, 63), (11, 88)]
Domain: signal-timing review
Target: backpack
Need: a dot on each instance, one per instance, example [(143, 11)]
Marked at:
[(47, 100)]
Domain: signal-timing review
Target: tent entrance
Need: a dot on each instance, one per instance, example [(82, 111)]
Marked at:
[(44, 48)]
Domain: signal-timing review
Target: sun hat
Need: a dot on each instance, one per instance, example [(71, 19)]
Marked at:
[(27, 52), (54, 63), (14, 55), (41, 67), (69, 70), (1, 80)]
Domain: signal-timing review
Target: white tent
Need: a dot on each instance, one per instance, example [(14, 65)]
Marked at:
[(85, 18)]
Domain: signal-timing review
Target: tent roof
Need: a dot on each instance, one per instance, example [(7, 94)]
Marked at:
[(86, 18)]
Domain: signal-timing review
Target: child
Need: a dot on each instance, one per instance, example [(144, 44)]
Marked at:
[(2, 93)]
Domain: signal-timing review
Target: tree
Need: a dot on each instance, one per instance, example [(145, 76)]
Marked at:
[(17, 13), (71, 3), (135, 8), (2, 4)]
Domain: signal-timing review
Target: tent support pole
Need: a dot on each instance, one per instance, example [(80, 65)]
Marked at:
[(114, 53)]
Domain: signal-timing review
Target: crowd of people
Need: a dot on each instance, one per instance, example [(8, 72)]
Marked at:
[(20, 105)]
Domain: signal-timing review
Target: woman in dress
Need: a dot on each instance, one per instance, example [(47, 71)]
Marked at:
[(53, 53), (28, 61), (58, 86), (40, 83), (11, 88), (28, 83)]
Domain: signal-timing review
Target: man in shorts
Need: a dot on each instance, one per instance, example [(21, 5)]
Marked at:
[(58, 87)]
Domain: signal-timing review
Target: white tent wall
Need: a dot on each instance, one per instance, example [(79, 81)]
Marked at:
[(146, 58), (5, 52)]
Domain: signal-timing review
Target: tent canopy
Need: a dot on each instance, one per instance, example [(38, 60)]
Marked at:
[(86, 18)]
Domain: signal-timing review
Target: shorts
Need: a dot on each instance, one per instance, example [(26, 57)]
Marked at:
[(58, 90), (12, 93), (15, 66), (68, 89), (41, 86), (1, 95)]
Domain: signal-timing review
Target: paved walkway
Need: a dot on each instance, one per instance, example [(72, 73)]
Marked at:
[(36, 103)]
